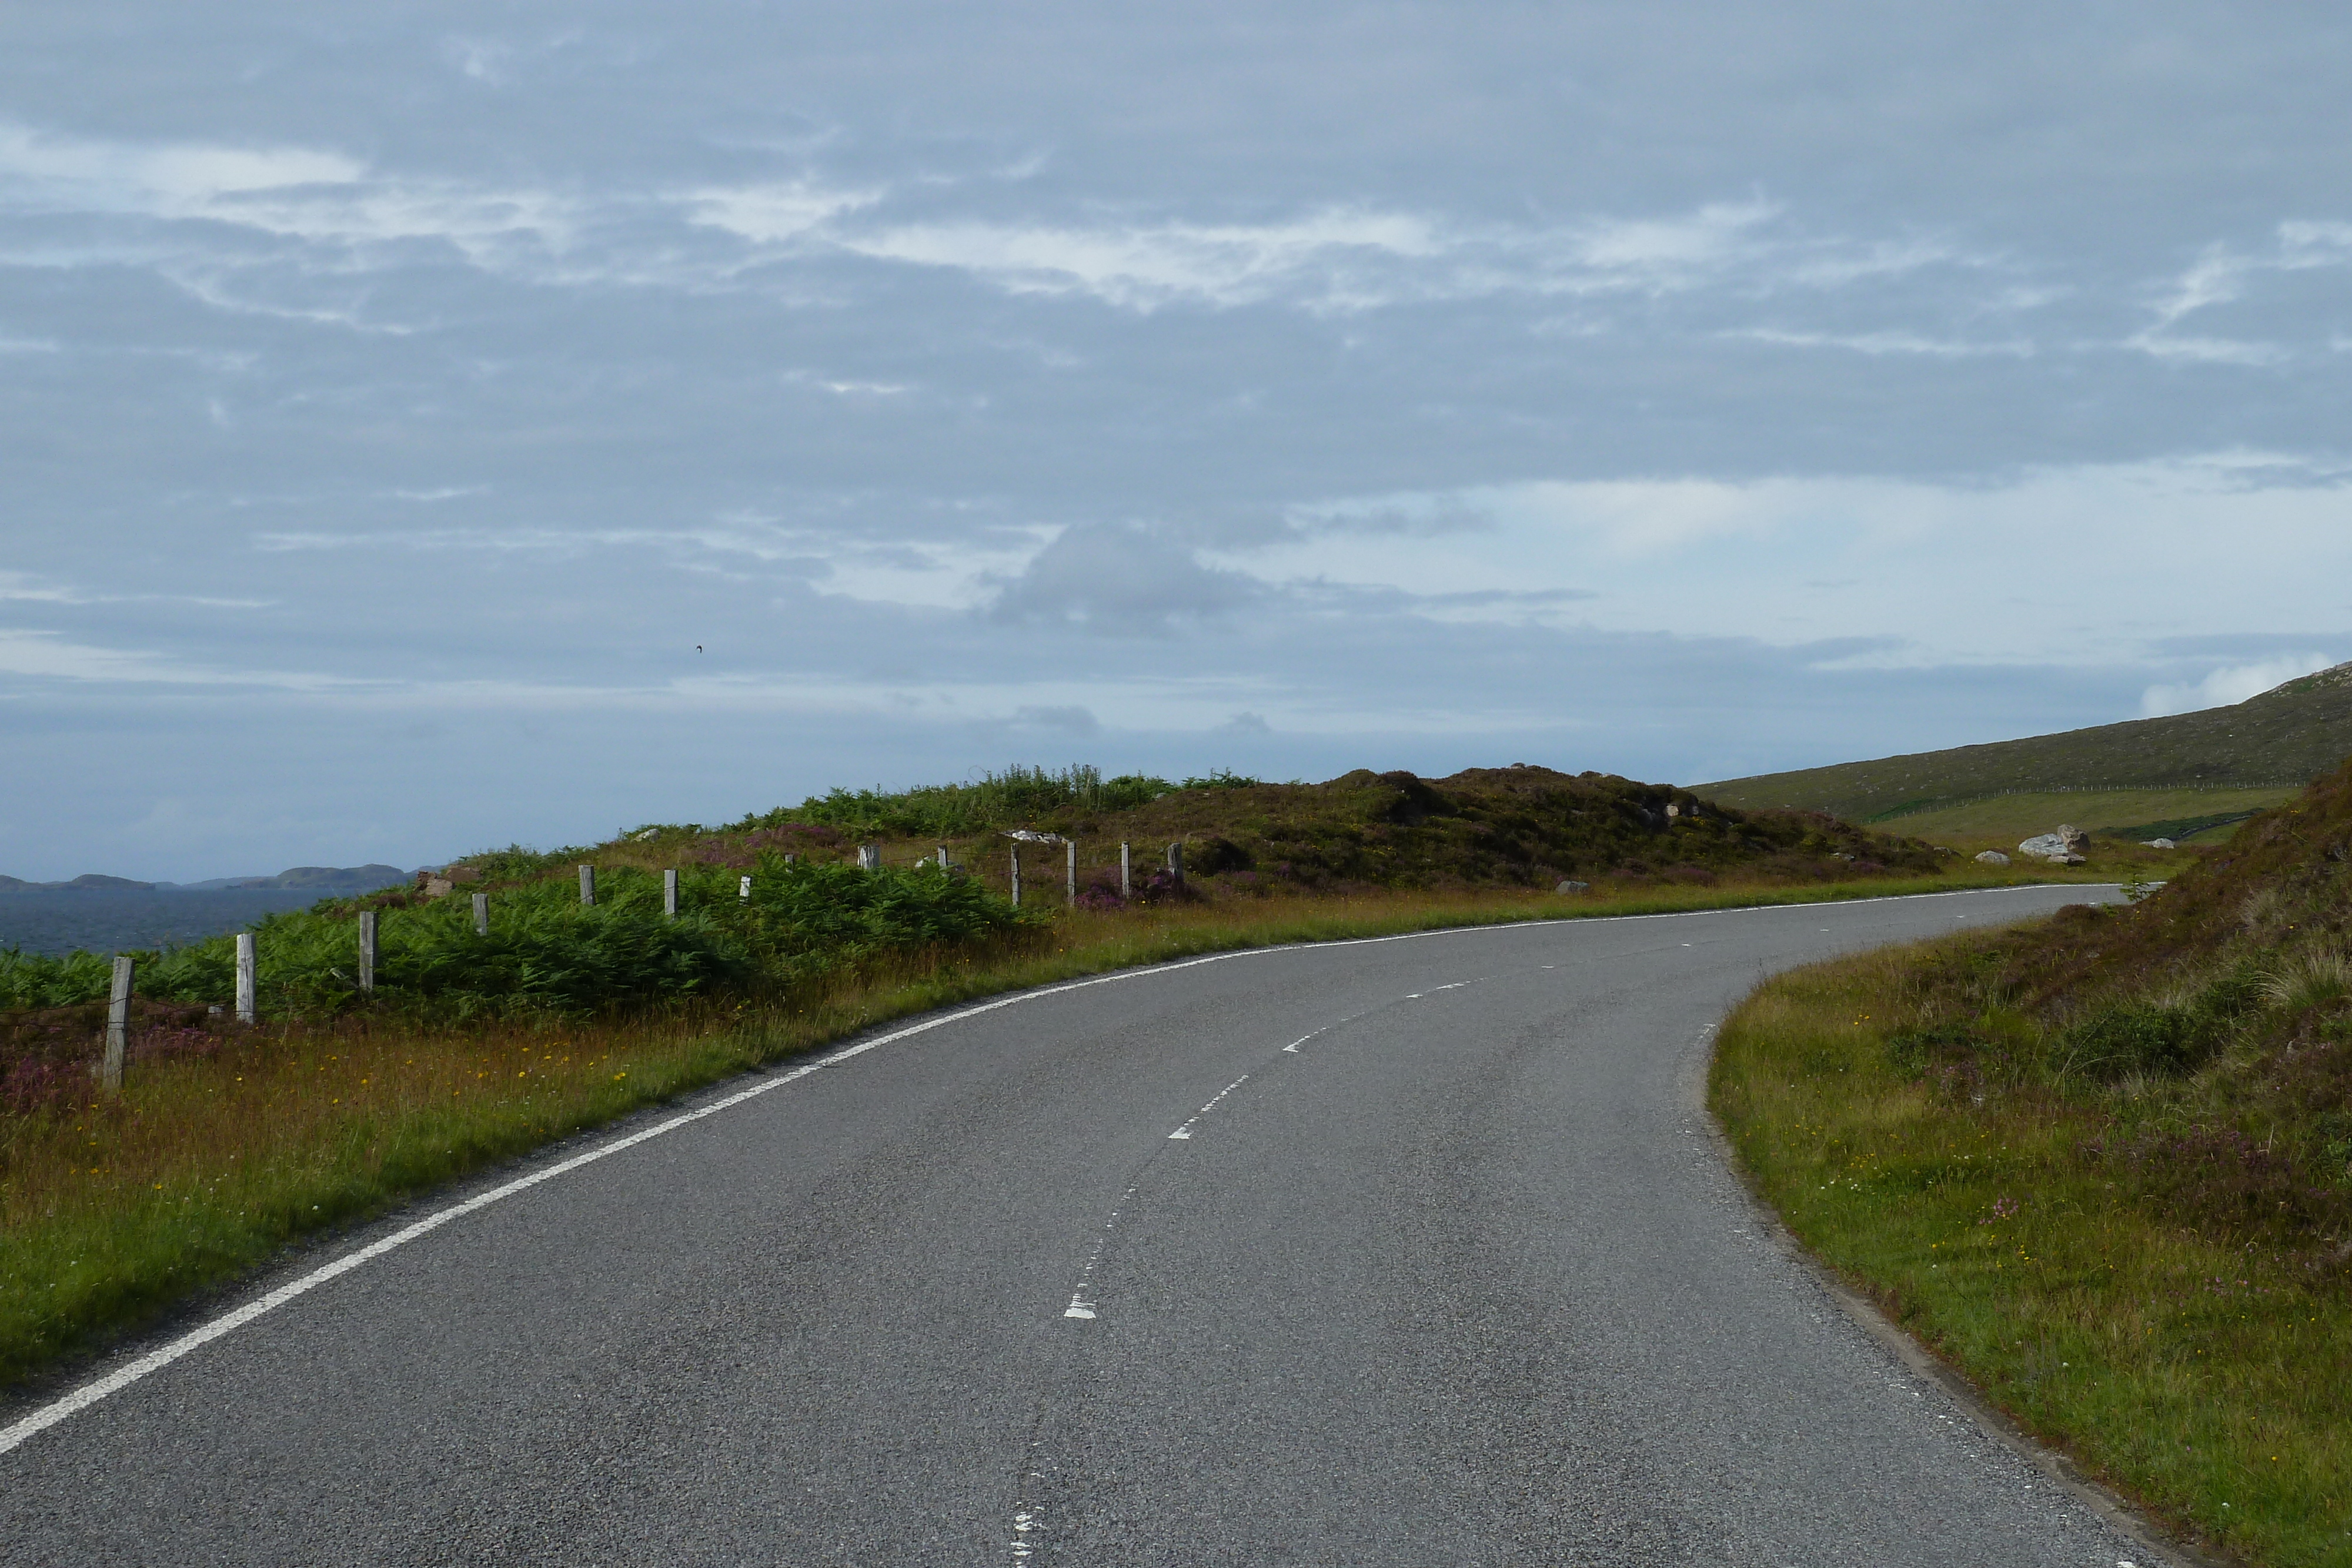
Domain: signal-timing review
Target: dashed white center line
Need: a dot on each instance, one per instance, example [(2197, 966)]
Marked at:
[(1082, 1300), (1081, 1306), (1186, 1129), (1023, 1523)]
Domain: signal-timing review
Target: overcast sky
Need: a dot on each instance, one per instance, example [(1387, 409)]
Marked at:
[(432, 426)]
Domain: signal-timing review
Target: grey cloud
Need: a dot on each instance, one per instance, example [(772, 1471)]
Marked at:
[(1062, 720), (1118, 580)]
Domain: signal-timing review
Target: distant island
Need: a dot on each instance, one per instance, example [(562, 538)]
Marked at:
[(319, 879)]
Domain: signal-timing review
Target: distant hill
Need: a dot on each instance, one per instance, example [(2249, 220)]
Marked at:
[(86, 882), (320, 878), (2285, 738)]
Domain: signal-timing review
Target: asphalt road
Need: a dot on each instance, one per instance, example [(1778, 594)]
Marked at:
[(1461, 1279)]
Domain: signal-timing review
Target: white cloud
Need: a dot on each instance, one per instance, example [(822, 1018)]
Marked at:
[(330, 220), (439, 493), (1887, 342), (2230, 683), (1653, 249), (483, 60), (1342, 259), (2163, 345), (23, 586), (1145, 266), (42, 172), (2222, 276), (2087, 565), (844, 388), (47, 655), (961, 572), (313, 197), (773, 214)]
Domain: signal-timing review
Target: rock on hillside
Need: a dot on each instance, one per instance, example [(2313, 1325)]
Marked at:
[(2282, 887)]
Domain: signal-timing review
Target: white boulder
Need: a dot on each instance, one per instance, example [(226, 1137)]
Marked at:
[(1992, 857), (2064, 845)]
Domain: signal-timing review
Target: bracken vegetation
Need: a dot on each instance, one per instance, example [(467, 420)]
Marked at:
[(2104, 1164), (545, 951)]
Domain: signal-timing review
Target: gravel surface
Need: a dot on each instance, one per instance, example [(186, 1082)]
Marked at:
[(1460, 1280)]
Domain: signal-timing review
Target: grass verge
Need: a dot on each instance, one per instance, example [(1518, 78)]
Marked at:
[(2199, 1366), (113, 1212)]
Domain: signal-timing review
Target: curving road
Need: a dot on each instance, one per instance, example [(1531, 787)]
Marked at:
[(1397, 1252)]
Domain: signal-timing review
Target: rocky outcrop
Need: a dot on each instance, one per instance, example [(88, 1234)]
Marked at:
[(2065, 844), (1992, 857)]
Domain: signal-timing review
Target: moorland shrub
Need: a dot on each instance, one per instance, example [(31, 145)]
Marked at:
[(545, 951)]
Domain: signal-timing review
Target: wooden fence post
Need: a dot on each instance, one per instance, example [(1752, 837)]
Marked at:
[(246, 1011), (1070, 870), (118, 1025), (588, 885), (1126, 875), (1176, 862), (481, 914), (869, 857), (367, 951), (669, 893), (1016, 875)]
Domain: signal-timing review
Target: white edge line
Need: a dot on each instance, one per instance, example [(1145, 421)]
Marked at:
[(15, 1435)]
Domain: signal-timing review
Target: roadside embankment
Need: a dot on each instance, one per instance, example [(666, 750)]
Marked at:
[(2103, 1167)]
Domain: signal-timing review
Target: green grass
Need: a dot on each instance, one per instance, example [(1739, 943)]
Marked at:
[(2103, 1165), (2282, 739), (2194, 1368), (214, 1158)]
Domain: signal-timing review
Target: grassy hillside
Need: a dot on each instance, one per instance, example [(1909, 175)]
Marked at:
[(2104, 1166), (2201, 817), (2283, 738), (1517, 827)]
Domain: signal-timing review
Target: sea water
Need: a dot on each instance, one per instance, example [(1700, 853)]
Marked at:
[(118, 919)]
